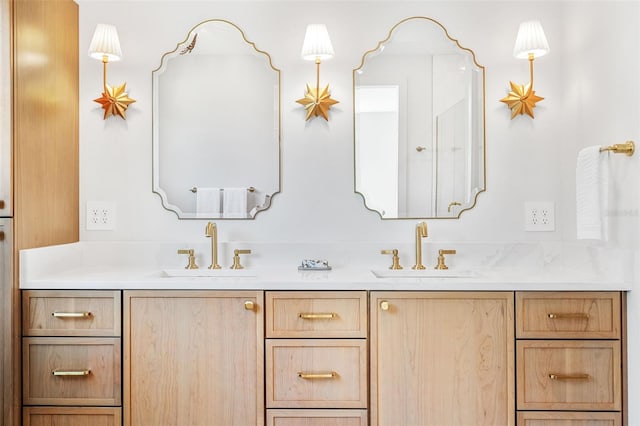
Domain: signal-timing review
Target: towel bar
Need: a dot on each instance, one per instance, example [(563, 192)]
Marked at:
[(194, 189), (621, 148)]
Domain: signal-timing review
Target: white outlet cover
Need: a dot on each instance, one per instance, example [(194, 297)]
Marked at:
[(100, 216), (539, 216)]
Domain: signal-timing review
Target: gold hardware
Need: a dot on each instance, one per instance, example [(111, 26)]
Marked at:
[(621, 148), (75, 373), (420, 148), (578, 376), (395, 260), (211, 231), (421, 232), (384, 305), (451, 204), (578, 315), (249, 305), (236, 258), (441, 253), (312, 316), (195, 189), (192, 258), (323, 375), (71, 314)]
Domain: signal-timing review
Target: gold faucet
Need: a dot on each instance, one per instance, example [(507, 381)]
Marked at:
[(192, 258), (236, 258), (441, 253), (421, 232), (212, 232), (395, 260)]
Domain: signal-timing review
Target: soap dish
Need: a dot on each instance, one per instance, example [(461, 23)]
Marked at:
[(314, 265)]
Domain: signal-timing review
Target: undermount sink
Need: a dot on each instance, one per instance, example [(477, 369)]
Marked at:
[(423, 273), (204, 272)]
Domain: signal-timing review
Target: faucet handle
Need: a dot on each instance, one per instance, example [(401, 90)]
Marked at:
[(236, 258), (192, 258), (395, 259), (441, 253)]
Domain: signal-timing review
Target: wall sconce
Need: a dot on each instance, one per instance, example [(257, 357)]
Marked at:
[(316, 47), (105, 46), (531, 43)]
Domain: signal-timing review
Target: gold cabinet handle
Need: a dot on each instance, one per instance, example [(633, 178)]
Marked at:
[(313, 316), (579, 376), (323, 375), (71, 314), (384, 305), (577, 315), (75, 373), (249, 305)]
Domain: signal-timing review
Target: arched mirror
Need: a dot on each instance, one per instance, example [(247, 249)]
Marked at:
[(216, 125), (419, 124)]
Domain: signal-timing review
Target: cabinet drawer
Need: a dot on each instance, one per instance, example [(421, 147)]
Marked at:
[(316, 373), (71, 371), (316, 314), (316, 417), (568, 375), (551, 418), (71, 416), (568, 315), (71, 313)]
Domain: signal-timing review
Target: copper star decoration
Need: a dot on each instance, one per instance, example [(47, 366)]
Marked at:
[(317, 103), (115, 100), (521, 99)]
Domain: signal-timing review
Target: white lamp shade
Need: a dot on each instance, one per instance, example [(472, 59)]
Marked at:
[(317, 44), (105, 42), (530, 40)]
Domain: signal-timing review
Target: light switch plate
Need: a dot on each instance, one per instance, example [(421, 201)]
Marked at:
[(101, 216), (539, 216)]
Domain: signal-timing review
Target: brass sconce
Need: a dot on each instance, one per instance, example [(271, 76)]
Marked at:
[(531, 43), (105, 46), (316, 47)]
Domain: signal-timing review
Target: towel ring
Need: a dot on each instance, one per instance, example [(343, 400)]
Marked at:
[(621, 148)]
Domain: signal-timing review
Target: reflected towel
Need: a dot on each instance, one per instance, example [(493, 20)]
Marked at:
[(234, 202), (592, 193), (208, 201)]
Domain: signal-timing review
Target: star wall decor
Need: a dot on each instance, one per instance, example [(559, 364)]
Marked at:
[(317, 102), (115, 100), (521, 99)]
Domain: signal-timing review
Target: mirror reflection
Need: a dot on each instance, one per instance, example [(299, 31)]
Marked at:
[(419, 132), (216, 125)]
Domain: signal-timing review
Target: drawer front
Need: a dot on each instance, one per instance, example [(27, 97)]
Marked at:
[(316, 373), (547, 418), (316, 417), (71, 416), (71, 313), (568, 375), (71, 371), (316, 314), (568, 315)]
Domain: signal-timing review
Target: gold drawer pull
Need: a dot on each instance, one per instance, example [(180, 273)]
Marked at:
[(312, 316), (578, 376), (72, 314), (327, 375), (384, 305), (249, 305), (81, 373), (569, 316)]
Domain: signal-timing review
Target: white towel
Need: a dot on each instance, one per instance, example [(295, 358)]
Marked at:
[(208, 202), (592, 193), (234, 204)]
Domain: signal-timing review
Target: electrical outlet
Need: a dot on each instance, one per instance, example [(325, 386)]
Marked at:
[(539, 216), (101, 216)]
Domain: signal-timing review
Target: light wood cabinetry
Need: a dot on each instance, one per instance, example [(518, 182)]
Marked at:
[(569, 358), (316, 357), (72, 416), (442, 358), (193, 358)]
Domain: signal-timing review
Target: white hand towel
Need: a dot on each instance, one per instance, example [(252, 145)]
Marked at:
[(592, 193), (234, 204), (208, 202)]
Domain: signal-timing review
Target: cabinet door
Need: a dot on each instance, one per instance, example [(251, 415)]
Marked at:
[(194, 358), (71, 416), (442, 358)]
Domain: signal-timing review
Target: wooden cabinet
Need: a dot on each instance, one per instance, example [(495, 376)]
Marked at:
[(71, 416), (569, 357), (193, 358), (442, 358), (316, 357)]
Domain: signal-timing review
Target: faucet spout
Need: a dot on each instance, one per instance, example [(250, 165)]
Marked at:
[(211, 231), (421, 232)]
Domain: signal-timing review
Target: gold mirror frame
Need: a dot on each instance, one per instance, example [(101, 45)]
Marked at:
[(477, 145), (270, 127)]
